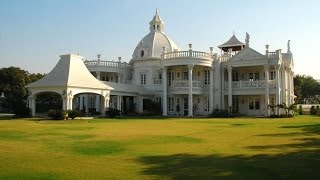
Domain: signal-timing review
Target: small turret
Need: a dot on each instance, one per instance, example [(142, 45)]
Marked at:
[(156, 24)]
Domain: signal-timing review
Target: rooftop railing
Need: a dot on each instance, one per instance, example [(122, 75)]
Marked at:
[(189, 54), (106, 63)]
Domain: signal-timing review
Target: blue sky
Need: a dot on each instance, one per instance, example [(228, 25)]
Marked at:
[(33, 33)]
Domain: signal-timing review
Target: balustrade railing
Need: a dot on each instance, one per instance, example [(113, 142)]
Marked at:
[(273, 55), (250, 84), (157, 81), (185, 84), (225, 57), (106, 63), (190, 54)]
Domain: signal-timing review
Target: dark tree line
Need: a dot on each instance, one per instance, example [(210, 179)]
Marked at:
[(307, 89), (12, 84)]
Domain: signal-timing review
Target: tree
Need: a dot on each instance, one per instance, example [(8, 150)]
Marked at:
[(306, 87), (12, 83)]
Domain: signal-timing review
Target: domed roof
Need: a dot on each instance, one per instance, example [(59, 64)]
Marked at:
[(152, 44)]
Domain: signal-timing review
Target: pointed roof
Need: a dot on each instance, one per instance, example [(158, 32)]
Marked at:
[(70, 71), (247, 54), (232, 43)]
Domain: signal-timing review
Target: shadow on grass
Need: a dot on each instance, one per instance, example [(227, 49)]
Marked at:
[(300, 163)]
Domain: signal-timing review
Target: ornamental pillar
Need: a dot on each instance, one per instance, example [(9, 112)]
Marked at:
[(278, 101), (164, 92), (105, 104), (229, 86), (32, 104), (266, 97), (98, 75), (211, 90), (190, 110), (98, 104)]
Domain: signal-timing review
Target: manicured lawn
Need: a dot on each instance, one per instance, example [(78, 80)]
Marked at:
[(173, 148)]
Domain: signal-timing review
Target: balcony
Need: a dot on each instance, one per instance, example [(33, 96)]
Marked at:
[(250, 84), (187, 57), (182, 87), (189, 54)]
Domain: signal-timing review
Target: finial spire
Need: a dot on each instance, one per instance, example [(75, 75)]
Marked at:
[(157, 12)]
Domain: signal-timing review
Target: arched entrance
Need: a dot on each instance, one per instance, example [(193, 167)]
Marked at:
[(48, 100)]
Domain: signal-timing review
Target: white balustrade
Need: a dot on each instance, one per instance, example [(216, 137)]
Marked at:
[(106, 63), (185, 84), (189, 54), (273, 55), (250, 84), (157, 81)]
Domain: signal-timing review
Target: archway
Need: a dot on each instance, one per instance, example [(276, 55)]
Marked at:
[(48, 100)]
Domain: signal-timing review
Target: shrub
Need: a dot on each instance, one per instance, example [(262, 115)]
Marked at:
[(111, 112), (300, 110), (57, 114), (221, 113), (21, 111), (73, 113), (313, 110)]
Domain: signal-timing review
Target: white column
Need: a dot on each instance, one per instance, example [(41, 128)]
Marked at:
[(32, 104), (222, 89), (105, 104), (211, 106), (81, 102), (164, 92), (119, 78), (266, 98), (292, 87), (119, 102), (87, 103), (278, 101), (70, 101), (98, 75), (289, 86), (229, 86), (98, 104), (190, 110), (284, 85)]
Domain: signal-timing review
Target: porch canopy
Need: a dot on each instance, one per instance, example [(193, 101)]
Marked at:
[(69, 77)]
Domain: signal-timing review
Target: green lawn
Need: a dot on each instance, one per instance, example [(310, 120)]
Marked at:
[(173, 148)]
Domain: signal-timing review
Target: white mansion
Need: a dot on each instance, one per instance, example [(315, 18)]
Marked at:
[(187, 83)]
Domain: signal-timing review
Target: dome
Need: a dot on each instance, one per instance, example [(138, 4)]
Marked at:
[(152, 44)]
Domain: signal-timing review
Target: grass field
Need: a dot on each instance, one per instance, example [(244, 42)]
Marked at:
[(173, 148)]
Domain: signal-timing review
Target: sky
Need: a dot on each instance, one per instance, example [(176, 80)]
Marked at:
[(33, 33)]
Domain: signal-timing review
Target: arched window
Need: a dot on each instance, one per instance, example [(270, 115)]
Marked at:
[(141, 53)]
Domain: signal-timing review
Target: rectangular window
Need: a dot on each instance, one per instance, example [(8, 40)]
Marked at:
[(170, 78), (251, 104), (250, 76), (206, 104), (272, 75), (142, 78), (256, 76), (235, 77), (170, 104), (235, 104), (185, 76), (257, 104), (206, 77), (254, 104)]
